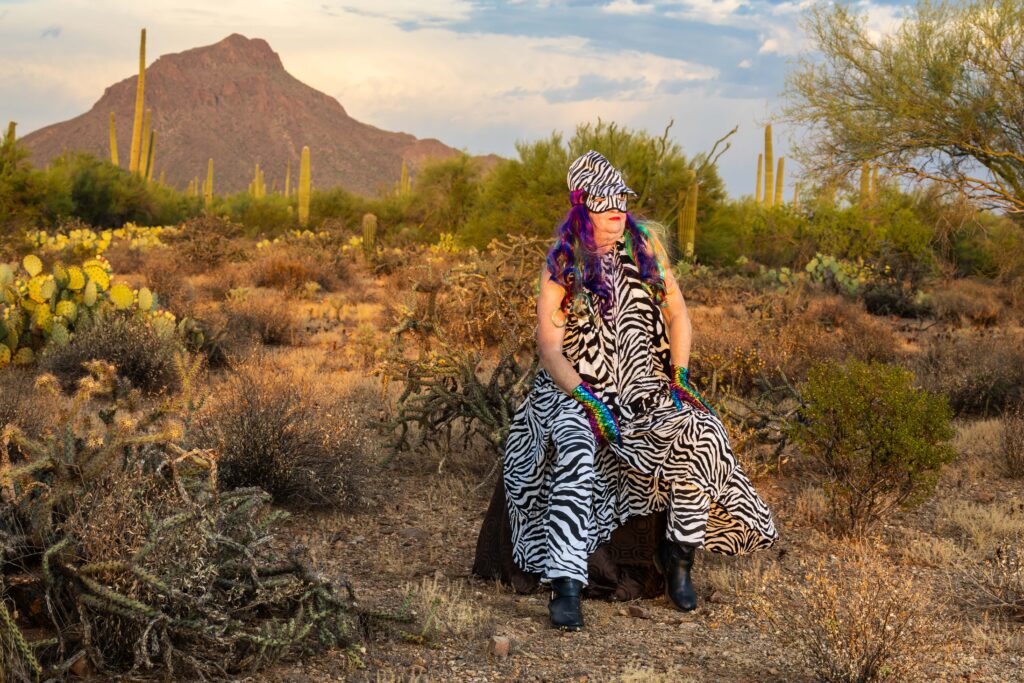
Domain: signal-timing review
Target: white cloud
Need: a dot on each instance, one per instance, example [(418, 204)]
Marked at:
[(745, 64), (717, 12), (626, 7)]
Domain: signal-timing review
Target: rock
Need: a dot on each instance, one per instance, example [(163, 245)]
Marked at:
[(720, 598), (637, 612), (499, 646)]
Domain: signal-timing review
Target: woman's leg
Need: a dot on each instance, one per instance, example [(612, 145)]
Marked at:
[(570, 515)]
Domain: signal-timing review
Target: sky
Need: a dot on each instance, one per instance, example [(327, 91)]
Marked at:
[(478, 75)]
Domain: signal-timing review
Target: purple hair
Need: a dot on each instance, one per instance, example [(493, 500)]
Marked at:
[(574, 263)]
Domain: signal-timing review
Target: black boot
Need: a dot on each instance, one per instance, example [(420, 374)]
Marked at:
[(565, 603), (674, 561)]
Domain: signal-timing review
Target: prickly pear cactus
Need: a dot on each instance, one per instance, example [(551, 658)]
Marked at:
[(40, 306)]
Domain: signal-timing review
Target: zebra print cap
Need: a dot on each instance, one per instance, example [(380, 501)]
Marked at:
[(602, 184)]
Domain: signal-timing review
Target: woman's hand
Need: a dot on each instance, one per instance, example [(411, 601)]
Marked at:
[(602, 420), (682, 391)]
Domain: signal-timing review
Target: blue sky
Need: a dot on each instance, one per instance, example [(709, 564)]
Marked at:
[(476, 74)]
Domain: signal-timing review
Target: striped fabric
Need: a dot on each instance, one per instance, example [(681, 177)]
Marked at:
[(566, 493), (602, 182)]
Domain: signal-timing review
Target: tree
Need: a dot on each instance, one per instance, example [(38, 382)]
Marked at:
[(939, 99)]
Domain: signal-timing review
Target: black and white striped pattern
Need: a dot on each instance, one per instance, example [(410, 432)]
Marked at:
[(603, 182), (566, 495)]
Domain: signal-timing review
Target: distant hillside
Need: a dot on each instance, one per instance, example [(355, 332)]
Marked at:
[(234, 101)]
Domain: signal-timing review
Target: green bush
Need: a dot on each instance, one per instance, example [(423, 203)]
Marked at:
[(876, 440)]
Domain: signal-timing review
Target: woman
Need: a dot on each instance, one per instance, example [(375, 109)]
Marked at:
[(612, 428)]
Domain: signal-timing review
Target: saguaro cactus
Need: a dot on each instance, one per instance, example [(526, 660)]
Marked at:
[(405, 184), (769, 184), (865, 183), (144, 152), (304, 183), (369, 236), (133, 158), (688, 217), (208, 186), (113, 141), (11, 127), (288, 178), (150, 155), (757, 185), (778, 182)]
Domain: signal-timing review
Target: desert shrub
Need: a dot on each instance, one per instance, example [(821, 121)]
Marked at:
[(289, 268), (266, 313), (964, 300), (997, 584), (143, 354), (895, 282), (207, 241), (855, 621), (21, 405), (120, 548), (876, 440), (1013, 442), (982, 372), (166, 277), (276, 430)]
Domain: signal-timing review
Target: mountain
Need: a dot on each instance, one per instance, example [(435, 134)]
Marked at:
[(234, 102)]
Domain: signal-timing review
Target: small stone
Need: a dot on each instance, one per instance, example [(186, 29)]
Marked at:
[(985, 497), (499, 646), (622, 612), (720, 598), (637, 612)]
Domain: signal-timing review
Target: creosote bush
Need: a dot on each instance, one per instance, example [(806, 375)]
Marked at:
[(874, 440), (276, 430), (267, 313), (143, 355)]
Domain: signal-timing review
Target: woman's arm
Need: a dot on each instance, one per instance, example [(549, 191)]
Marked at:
[(677, 317), (550, 336)]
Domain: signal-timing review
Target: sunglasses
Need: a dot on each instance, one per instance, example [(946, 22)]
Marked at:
[(598, 204)]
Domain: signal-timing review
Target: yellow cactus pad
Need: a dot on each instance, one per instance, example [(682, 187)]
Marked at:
[(76, 278), (122, 296), (97, 274), (5, 356), (145, 299), (32, 264), (67, 309), (24, 356), (41, 288), (89, 295)]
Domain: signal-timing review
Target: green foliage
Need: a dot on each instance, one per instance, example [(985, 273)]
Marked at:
[(877, 441), (530, 193), (446, 193)]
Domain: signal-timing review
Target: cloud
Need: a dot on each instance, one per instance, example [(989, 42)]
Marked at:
[(50, 32), (626, 7)]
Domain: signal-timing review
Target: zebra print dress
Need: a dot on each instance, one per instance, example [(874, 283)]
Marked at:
[(668, 458)]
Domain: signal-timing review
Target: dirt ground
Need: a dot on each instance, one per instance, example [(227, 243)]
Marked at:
[(416, 528)]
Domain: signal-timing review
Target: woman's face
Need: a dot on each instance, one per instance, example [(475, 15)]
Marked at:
[(608, 225)]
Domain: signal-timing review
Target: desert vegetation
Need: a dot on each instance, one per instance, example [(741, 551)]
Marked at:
[(255, 434)]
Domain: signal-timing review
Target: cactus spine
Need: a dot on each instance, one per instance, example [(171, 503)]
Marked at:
[(769, 184), (304, 182), (757, 185), (778, 182), (133, 159), (208, 186), (113, 141), (369, 236)]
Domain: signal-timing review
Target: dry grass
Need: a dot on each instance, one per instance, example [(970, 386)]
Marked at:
[(1012, 442), (639, 673), (968, 301), (855, 620), (444, 608), (925, 550), (980, 527)]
